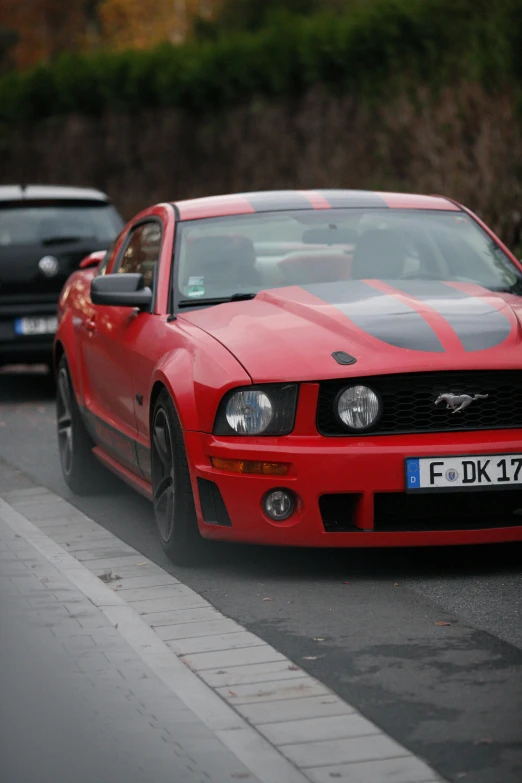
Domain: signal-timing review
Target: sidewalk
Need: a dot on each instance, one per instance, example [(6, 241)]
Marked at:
[(171, 689)]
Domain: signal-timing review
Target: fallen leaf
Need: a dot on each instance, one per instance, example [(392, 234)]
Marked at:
[(442, 622), (313, 657), (395, 584), (232, 693)]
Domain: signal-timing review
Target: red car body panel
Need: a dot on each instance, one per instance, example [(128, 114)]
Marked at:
[(119, 358)]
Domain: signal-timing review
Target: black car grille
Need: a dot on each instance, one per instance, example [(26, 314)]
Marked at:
[(408, 402), (398, 511)]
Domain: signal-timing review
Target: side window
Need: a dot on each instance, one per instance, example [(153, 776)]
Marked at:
[(143, 252)]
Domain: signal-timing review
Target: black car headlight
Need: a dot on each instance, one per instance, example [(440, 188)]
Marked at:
[(257, 410)]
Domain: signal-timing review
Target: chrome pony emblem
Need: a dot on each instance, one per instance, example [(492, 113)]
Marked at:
[(458, 402)]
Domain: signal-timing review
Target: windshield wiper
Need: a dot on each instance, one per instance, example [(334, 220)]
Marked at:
[(216, 300), (515, 289)]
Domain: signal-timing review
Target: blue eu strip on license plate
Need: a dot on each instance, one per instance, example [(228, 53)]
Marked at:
[(412, 474)]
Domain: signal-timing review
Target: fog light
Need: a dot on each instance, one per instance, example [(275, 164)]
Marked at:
[(279, 504)]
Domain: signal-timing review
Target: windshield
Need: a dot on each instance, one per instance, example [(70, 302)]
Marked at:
[(43, 224), (220, 258)]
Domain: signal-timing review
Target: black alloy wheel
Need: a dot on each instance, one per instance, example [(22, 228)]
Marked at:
[(81, 470), (172, 489)]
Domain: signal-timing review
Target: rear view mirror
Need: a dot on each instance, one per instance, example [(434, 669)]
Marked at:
[(330, 236), (121, 290)]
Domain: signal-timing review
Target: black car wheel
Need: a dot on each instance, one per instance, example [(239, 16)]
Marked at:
[(81, 470), (172, 490)]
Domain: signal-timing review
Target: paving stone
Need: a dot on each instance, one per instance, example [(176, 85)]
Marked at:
[(272, 691), (154, 580), (156, 605), (341, 751), (142, 568), (173, 617), (228, 641), (397, 770), (316, 729), (93, 662), (252, 673), (158, 592), (114, 563), (294, 709), (101, 553), (47, 509), (212, 660), (194, 629)]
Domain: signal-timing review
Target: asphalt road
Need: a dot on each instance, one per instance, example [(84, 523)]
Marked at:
[(426, 643)]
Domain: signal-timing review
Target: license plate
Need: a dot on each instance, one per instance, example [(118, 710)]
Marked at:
[(32, 326), (429, 474)]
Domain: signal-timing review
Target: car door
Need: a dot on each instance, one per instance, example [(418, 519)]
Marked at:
[(110, 331)]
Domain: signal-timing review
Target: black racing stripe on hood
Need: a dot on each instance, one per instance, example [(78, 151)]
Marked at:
[(476, 322), (352, 198), (271, 201), (379, 315)]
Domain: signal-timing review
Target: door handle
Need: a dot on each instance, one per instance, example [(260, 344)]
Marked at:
[(90, 325)]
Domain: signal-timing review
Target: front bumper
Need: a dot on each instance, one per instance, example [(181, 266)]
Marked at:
[(365, 476)]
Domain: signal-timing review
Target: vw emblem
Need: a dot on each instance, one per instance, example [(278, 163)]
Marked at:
[(452, 474), (48, 266)]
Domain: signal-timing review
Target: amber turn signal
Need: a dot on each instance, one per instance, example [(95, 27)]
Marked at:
[(248, 466)]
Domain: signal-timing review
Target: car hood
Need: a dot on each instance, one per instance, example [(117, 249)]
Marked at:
[(399, 326)]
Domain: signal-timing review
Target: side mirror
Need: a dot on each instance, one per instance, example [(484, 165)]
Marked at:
[(93, 259), (121, 290)]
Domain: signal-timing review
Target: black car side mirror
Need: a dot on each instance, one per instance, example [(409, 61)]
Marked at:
[(121, 290)]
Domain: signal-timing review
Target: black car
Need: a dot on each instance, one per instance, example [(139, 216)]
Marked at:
[(44, 234)]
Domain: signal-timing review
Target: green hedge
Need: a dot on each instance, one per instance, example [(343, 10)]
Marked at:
[(376, 46)]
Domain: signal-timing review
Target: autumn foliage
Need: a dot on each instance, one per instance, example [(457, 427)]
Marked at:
[(38, 31)]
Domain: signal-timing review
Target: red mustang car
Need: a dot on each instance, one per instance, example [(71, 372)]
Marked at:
[(321, 368)]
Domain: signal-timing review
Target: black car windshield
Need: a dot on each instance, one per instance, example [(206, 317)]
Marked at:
[(219, 258), (47, 224)]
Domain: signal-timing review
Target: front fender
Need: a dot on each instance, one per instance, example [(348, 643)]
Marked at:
[(197, 376)]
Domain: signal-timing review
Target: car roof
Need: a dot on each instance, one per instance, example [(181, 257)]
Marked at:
[(278, 200), (50, 193)]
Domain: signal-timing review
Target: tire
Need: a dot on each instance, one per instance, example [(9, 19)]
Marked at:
[(81, 470), (172, 489)]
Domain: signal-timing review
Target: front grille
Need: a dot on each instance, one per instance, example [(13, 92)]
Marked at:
[(409, 402), (401, 512)]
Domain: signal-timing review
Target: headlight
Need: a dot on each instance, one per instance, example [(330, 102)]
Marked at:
[(257, 410), (249, 412), (358, 407)]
